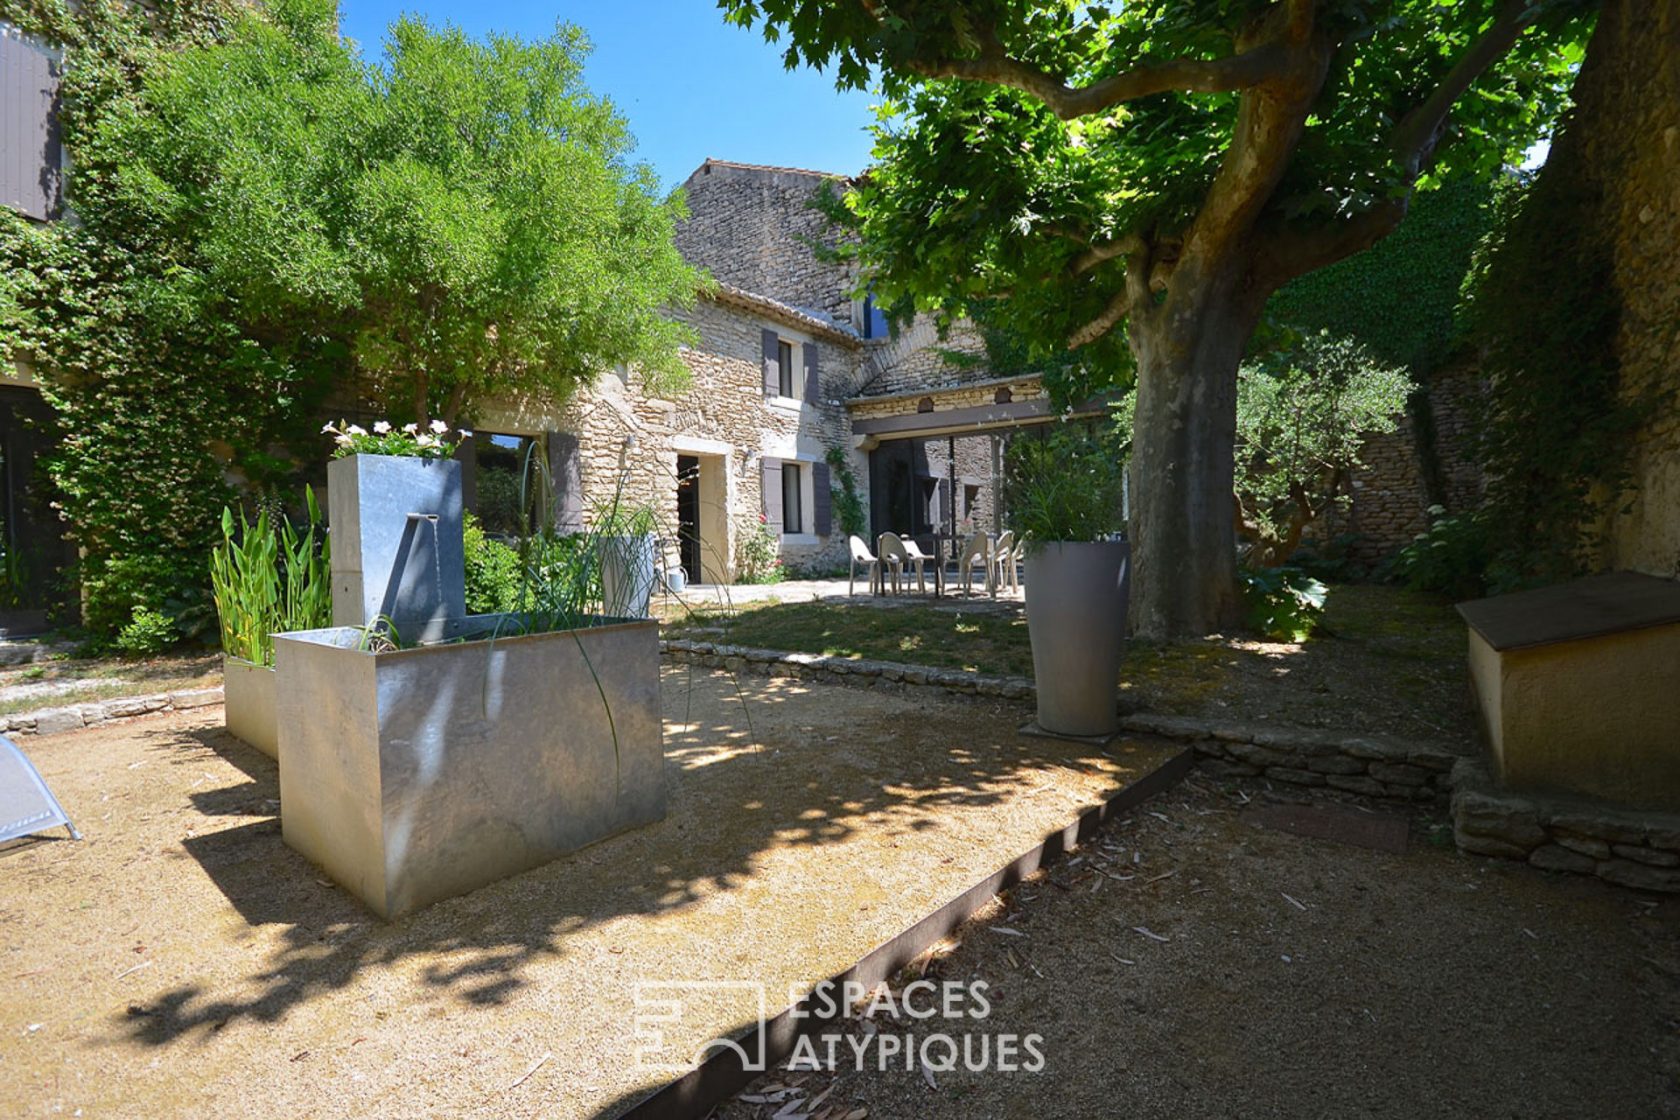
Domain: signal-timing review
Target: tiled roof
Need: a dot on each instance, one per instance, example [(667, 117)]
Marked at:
[(786, 313)]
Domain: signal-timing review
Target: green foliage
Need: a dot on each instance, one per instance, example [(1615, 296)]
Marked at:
[(465, 216), (493, 571), (1556, 427), (1064, 487), (163, 399), (148, 632), (1453, 556), (409, 440), (268, 579), (758, 556), (1282, 603), (979, 191), (848, 501), (1302, 415), (1399, 298)]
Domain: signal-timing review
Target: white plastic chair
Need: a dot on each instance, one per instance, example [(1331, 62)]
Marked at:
[(1003, 562), (871, 563), (977, 551), (896, 559), (921, 560)]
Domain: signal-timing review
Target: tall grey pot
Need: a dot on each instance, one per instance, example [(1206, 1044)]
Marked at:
[(627, 575), (1076, 617)]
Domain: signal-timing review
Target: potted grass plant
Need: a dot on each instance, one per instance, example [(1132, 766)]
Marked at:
[(266, 577), (629, 551), (1063, 496)]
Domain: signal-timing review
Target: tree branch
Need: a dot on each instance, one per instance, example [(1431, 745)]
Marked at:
[(1103, 323), (1106, 251), (1414, 139), (1183, 75)]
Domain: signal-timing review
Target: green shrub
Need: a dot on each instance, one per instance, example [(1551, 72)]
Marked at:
[(848, 502), (1282, 603), (148, 632), (493, 575), (1453, 556), (758, 556)]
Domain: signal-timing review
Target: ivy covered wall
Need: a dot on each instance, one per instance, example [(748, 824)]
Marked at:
[(165, 406)]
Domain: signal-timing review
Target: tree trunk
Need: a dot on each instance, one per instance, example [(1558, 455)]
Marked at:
[(1184, 543)]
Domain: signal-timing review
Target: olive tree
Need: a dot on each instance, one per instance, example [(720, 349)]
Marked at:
[(1135, 180)]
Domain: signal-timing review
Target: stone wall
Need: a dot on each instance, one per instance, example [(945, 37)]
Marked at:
[(1628, 100), (1390, 494), (918, 359), (754, 227)]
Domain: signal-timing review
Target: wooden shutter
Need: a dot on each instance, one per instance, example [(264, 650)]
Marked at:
[(822, 500), (812, 383), (772, 363), (31, 157), (943, 507), (565, 468), (466, 453), (770, 477)]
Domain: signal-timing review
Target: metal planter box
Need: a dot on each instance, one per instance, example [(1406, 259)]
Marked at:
[(248, 698), (416, 775)]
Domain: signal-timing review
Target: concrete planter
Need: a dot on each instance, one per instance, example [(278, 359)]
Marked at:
[(248, 693), (627, 575), (420, 774), (396, 542), (1076, 617)]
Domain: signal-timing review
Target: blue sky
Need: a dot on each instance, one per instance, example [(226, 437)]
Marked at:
[(691, 85)]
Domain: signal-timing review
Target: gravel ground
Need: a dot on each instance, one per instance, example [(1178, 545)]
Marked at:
[(182, 961), (1287, 977)]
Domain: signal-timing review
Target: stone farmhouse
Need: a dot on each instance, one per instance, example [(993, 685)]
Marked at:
[(795, 379)]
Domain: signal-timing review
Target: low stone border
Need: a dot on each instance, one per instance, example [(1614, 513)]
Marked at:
[(884, 675), (1631, 849), (1371, 765), (72, 717)]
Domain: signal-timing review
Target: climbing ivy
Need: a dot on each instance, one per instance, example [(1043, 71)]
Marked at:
[(165, 405)]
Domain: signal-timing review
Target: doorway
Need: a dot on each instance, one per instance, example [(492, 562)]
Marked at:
[(688, 515)]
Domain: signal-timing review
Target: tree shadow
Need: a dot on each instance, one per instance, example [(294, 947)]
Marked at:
[(754, 767)]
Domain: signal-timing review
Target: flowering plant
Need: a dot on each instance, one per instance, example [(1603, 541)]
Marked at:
[(433, 443)]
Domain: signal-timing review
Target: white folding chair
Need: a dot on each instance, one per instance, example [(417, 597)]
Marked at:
[(1002, 568)]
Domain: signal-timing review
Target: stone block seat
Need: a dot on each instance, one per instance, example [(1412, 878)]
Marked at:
[(1579, 687)]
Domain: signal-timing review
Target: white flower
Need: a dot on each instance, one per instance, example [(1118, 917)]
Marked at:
[(427, 441), (342, 439), (382, 427), (439, 427), (328, 428), (464, 433), (356, 430), (411, 428)]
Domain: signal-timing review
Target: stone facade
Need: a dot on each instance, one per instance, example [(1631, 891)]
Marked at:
[(629, 442), (754, 228), (1628, 97)]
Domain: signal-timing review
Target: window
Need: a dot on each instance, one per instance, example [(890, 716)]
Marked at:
[(786, 383), (793, 513), (31, 154), (874, 321), (499, 497)]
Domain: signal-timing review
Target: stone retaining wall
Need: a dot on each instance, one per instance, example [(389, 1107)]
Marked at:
[(884, 675), (1372, 765), (73, 717), (1631, 849)]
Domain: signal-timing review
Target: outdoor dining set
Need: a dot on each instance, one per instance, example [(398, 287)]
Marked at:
[(896, 559)]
